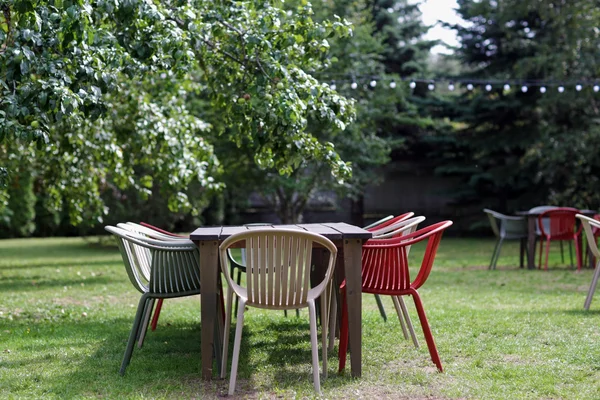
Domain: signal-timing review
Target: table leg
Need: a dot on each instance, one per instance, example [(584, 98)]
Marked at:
[(531, 220), (352, 267), (209, 272)]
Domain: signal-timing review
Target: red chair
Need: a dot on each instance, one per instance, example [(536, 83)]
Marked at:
[(560, 224), (390, 221), (385, 271)]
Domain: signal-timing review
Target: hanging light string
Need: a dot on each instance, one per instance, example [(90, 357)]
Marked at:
[(369, 81)]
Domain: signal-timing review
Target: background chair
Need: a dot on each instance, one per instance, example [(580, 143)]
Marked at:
[(172, 268), (538, 233), (560, 226), (277, 277), (386, 271), (507, 228), (591, 226)]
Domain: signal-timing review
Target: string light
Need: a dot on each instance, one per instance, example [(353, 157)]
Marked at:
[(543, 89), (373, 83), (470, 86), (524, 89), (353, 85), (506, 87), (333, 85), (578, 88), (561, 89), (413, 84), (451, 86), (393, 84), (431, 86), (596, 88), (488, 87)]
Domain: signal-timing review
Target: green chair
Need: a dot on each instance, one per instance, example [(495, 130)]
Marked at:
[(172, 268), (507, 228)]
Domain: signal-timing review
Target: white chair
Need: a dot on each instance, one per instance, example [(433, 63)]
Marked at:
[(278, 265), (588, 225), (508, 228)]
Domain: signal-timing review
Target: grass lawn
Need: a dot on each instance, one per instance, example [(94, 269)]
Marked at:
[(66, 308)]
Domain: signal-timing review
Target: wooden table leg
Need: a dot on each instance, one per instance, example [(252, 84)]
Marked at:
[(208, 305), (352, 267), (531, 220)]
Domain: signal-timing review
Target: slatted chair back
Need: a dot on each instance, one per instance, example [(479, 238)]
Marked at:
[(399, 228), (390, 221), (385, 261), (172, 265), (561, 223), (278, 265)]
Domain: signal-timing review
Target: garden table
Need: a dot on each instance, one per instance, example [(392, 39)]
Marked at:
[(532, 218), (348, 239)]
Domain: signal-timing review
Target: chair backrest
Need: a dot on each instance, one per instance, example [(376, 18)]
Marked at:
[(561, 223), (378, 222), (391, 221), (278, 265), (399, 228), (157, 229), (385, 261), (511, 227), (589, 224), (159, 266), (540, 209)]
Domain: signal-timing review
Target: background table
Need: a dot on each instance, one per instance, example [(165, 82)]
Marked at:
[(348, 238), (532, 218)]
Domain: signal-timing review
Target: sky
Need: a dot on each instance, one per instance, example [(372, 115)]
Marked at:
[(434, 10)]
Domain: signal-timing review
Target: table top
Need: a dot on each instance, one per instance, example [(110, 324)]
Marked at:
[(536, 213), (331, 230)]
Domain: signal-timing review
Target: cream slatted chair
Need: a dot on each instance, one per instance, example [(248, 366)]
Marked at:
[(278, 264), (588, 225)]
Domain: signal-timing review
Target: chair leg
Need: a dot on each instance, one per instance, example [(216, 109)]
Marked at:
[(541, 250), (399, 312), (571, 254), (343, 347), (145, 322), (590, 295), (226, 332), (380, 306), (332, 319), (496, 254), (411, 329), (523, 250), (236, 346), (324, 323), (547, 254), (156, 314), (133, 334), (238, 281), (562, 253), (312, 316), (427, 331)]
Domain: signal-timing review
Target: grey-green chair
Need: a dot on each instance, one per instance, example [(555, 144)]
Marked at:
[(507, 228), (173, 271)]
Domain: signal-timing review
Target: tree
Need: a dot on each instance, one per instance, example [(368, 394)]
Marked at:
[(513, 142), (100, 89)]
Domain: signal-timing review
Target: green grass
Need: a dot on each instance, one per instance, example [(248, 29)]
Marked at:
[(66, 309)]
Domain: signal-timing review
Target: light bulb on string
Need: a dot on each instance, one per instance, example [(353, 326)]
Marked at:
[(333, 85), (578, 87), (543, 89), (451, 86), (353, 85), (561, 89), (393, 84), (524, 89), (373, 83), (506, 87), (470, 86), (488, 87), (412, 84), (431, 86), (596, 88)]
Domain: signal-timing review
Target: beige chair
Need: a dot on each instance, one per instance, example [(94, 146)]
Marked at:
[(278, 265), (588, 225)]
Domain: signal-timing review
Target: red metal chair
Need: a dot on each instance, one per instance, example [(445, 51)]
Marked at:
[(560, 225), (387, 222), (385, 271)]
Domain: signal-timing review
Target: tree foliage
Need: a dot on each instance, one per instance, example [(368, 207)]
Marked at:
[(102, 89)]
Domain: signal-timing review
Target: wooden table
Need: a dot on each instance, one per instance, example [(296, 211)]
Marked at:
[(532, 218), (348, 238)]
